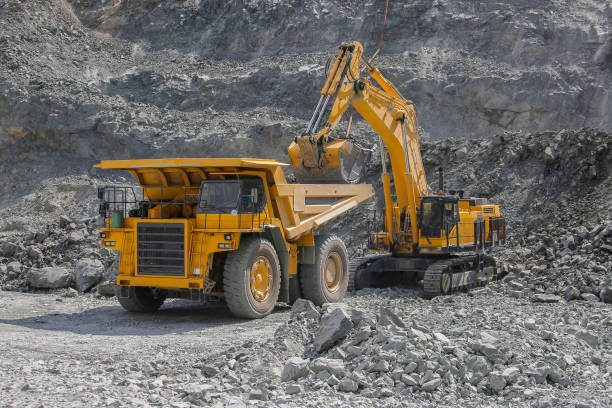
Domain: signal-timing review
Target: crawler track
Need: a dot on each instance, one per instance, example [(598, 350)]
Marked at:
[(456, 274)]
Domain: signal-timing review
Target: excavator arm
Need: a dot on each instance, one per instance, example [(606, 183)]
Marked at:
[(316, 156)]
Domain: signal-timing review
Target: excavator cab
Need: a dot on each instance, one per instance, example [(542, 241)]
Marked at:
[(438, 213)]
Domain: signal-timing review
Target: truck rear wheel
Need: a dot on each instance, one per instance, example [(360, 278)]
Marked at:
[(327, 279), (251, 279), (140, 299)]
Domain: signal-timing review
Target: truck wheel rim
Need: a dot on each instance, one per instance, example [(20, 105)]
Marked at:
[(333, 272), (261, 279)]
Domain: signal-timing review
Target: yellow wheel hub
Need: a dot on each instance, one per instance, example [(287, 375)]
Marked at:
[(261, 279), (333, 272)]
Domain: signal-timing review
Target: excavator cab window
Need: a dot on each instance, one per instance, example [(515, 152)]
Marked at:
[(438, 214), (431, 217), (451, 214)]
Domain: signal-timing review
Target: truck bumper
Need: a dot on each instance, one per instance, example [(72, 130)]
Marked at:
[(162, 282)]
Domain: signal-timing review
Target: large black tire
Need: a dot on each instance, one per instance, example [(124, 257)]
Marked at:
[(140, 300), (327, 279), (251, 278)]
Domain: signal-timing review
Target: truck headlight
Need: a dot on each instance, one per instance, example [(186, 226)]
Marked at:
[(224, 246), (109, 243), (103, 235)]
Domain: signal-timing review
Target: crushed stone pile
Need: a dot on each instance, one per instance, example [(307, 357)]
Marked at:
[(394, 348)]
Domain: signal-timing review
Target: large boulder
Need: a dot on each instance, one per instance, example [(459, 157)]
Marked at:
[(49, 278), (334, 326), (88, 273)]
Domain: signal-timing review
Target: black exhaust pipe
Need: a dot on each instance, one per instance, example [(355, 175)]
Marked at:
[(440, 180)]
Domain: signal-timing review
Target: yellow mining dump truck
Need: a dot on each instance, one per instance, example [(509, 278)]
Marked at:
[(224, 228)]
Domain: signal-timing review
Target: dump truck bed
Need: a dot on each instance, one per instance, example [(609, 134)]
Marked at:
[(301, 207)]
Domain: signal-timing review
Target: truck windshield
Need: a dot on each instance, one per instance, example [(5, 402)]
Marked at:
[(220, 195)]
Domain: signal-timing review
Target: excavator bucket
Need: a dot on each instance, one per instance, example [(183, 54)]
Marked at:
[(341, 162)]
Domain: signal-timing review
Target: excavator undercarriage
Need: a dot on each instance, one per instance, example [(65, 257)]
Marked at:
[(438, 276)]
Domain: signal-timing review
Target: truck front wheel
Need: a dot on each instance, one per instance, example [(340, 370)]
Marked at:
[(251, 278), (140, 299), (327, 279)]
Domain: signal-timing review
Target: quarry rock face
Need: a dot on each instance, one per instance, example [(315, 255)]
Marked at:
[(228, 78)]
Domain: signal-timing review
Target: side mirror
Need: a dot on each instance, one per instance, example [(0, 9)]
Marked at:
[(100, 193), (254, 197)]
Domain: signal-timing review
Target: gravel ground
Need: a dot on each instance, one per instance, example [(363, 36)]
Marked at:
[(71, 351)]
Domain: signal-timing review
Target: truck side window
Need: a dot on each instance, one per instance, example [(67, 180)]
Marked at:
[(253, 196)]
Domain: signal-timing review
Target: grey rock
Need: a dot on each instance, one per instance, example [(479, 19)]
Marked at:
[(258, 395), (409, 380), (582, 231), (88, 273), (355, 350), (334, 327), (538, 372), (441, 338), (362, 334), (210, 370), (332, 381), (34, 253), (64, 221), (49, 278), (347, 385), (14, 267), (431, 385), (596, 358), (7, 249), (511, 374), (70, 293), (497, 381), (381, 366), (530, 324), (478, 367), (294, 368), (305, 308), (605, 294), (571, 293), (589, 338), (545, 298), (292, 389), (388, 317), (106, 288), (75, 237), (589, 297), (334, 366), (547, 335)]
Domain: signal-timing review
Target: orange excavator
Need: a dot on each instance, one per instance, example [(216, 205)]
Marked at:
[(442, 238)]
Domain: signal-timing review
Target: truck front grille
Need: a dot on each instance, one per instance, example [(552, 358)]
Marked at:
[(161, 249)]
